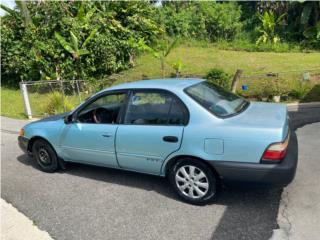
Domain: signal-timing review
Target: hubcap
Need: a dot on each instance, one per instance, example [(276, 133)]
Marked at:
[(192, 181), (44, 156)]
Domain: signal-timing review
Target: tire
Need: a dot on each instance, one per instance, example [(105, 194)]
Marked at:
[(198, 188), (45, 156)]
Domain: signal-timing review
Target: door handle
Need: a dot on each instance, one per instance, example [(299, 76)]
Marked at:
[(107, 135), (170, 139)]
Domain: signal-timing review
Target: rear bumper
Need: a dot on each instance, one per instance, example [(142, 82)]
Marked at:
[(23, 143), (280, 174)]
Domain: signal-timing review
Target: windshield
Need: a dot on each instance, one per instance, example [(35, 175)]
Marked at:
[(217, 100)]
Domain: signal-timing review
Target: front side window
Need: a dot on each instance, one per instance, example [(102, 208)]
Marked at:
[(217, 100), (105, 109), (154, 108)]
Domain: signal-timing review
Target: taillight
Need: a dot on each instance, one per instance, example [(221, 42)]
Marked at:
[(276, 152)]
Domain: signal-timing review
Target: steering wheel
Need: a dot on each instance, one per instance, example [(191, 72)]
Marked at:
[(102, 115)]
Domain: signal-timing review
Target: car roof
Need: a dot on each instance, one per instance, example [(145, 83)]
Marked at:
[(167, 84)]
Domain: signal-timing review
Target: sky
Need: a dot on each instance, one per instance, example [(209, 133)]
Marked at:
[(8, 3)]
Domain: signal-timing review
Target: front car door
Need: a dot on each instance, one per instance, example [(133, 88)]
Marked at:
[(90, 137), (152, 129)]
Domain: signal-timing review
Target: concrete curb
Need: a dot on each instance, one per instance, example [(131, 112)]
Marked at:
[(301, 106), (304, 104), (16, 226)]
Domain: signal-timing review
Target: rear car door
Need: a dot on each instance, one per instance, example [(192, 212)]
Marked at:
[(152, 129)]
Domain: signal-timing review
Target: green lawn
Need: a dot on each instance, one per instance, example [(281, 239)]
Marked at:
[(197, 61), (11, 103)]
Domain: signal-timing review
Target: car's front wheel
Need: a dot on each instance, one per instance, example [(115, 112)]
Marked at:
[(45, 156), (193, 181)]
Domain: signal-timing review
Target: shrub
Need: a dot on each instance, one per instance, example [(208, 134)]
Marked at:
[(56, 105), (279, 86), (300, 90), (219, 77), (259, 89), (267, 88)]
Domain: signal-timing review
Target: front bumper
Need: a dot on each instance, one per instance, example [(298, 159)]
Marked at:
[(23, 143), (280, 174)]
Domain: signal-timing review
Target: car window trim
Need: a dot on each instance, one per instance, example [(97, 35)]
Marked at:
[(99, 95), (186, 114)]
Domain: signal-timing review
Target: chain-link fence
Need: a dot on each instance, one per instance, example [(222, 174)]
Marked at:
[(43, 98)]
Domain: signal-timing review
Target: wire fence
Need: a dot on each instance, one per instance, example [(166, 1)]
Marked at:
[(43, 98)]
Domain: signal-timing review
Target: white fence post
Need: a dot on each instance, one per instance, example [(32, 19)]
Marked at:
[(24, 92)]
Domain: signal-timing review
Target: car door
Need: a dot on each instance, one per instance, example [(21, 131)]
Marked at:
[(90, 137), (152, 129)]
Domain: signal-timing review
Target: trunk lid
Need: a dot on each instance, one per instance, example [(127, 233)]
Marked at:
[(268, 116)]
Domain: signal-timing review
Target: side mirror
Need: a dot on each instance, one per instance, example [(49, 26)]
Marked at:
[(68, 119)]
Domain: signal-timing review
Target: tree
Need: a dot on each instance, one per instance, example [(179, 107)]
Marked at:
[(162, 50)]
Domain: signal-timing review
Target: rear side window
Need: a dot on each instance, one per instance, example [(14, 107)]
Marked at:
[(217, 100), (154, 108)]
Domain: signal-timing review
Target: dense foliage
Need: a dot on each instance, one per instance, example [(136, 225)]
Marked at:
[(73, 40), (91, 40), (298, 21), (202, 20)]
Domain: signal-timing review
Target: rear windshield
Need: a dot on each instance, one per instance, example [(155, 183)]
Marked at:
[(217, 100)]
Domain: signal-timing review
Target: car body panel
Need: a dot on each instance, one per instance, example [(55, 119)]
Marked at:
[(49, 129), (141, 148), (89, 143)]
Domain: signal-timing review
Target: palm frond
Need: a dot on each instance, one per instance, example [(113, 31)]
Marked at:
[(91, 35), (64, 43)]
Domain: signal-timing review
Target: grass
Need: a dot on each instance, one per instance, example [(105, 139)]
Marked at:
[(197, 61), (12, 103)]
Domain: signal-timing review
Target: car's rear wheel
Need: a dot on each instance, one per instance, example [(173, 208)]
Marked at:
[(45, 156), (193, 181)]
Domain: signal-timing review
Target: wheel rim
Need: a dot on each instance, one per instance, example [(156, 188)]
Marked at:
[(44, 156), (192, 181)]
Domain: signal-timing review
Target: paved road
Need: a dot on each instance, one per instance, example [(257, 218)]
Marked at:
[(299, 211), (87, 202)]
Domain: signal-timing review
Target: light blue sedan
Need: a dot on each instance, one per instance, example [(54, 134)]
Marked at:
[(195, 133)]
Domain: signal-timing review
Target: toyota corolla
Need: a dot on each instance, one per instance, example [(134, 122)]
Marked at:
[(193, 132)]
